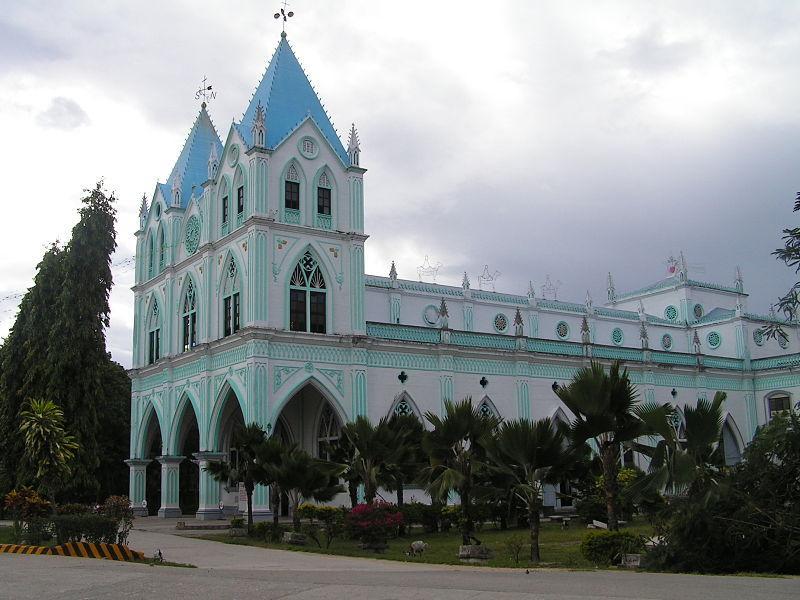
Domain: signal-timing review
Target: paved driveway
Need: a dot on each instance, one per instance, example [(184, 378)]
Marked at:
[(241, 572)]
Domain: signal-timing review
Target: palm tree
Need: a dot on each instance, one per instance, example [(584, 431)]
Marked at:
[(687, 465), (529, 454), (604, 405), (407, 457), (370, 452), (48, 448), (343, 452), (456, 449), (301, 476), (247, 470)]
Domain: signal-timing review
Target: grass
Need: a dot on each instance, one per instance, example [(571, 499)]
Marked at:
[(7, 537), (559, 547)]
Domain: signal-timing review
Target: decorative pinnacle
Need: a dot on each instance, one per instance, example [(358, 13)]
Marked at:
[(143, 207), (393, 272), (518, 318), (465, 281), (531, 290)]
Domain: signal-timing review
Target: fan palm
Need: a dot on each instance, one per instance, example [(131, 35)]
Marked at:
[(301, 476), (688, 465), (456, 449), (247, 470), (529, 454), (371, 452), (342, 451), (604, 406), (406, 458), (48, 448)]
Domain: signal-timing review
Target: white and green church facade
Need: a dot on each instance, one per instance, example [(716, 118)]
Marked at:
[(252, 305)]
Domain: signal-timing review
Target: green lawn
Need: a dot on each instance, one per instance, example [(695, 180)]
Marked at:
[(559, 548), (7, 537)]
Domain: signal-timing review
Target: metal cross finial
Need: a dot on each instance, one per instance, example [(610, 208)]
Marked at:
[(284, 14), (205, 92)]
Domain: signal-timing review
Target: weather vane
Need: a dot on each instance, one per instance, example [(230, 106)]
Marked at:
[(284, 14), (205, 92)]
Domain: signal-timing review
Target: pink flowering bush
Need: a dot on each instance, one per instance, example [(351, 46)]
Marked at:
[(374, 523)]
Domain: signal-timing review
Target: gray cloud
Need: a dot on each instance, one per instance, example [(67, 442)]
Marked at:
[(650, 53), (63, 113)]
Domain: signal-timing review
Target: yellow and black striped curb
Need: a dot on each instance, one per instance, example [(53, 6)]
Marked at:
[(79, 549)]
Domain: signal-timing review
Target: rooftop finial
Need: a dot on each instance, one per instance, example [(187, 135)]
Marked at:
[(143, 210), (284, 14), (205, 92), (393, 272), (259, 129), (465, 281), (739, 282)]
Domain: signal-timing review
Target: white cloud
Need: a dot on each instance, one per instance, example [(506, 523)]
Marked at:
[(547, 137), (63, 113)]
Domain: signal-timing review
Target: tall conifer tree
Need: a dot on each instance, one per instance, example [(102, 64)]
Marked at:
[(77, 359), (23, 359)]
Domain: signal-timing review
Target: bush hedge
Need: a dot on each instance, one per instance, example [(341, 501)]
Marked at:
[(607, 547), (87, 527)]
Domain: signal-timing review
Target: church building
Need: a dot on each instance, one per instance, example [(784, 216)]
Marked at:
[(252, 305)]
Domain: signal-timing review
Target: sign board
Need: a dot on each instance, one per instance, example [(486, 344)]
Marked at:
[(631, 561)]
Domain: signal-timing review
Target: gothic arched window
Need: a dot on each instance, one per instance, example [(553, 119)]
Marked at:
[(154, 334), (324, 194), (189, 314), (307, 305), (238, 184), (151, 256), (292, 189), (162, 250), (328, 432), (231, 303), (486, 408), (226, 204)]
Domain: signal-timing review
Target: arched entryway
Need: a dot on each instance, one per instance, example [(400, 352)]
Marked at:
[(311, 420), (186, 444), (230, 419), (151, 448)]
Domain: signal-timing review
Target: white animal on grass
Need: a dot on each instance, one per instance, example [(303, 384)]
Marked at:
[(416, 548)]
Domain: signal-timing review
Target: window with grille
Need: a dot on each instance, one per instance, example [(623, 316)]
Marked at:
[(778, 405), (224, 209), (231, 303), (189, 318), (307, 297), (292, 195), (240, 200)]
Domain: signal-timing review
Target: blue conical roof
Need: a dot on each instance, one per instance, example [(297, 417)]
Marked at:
[(191, 168), (288, 99)]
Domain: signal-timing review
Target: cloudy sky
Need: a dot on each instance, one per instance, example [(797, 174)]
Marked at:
[(539, 138)]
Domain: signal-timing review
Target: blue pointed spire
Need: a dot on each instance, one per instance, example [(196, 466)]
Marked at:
[(191, 168), (287, 97)]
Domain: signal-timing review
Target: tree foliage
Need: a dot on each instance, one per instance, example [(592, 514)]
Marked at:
[(49, 450), (789, 303), (56, 351)]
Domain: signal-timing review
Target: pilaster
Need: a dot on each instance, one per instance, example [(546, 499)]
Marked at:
[(170, 486), (208, 508), (138, 485)]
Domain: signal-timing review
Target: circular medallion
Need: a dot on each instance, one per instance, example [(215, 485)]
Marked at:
[(500, 323), (714, 340), (616, 336), (562, 330), (666, 341), (233, 155), (430, 315), (698, 311), (308, 147), (670, 313), (192, 234)]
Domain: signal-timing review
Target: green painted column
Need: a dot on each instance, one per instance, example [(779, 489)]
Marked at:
[(357, 289), (523, 400), (208, 508), (137, 488), (359, 394), (170, 486), (445, 391)]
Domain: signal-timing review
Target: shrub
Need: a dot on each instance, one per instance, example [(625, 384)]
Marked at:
[(237, 522), (73, 509), (37, 530), (86, 527), (607, 547), (451, 515), (307, 511), (374, 523), (119, 508), (513, 546), (26, 503)]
